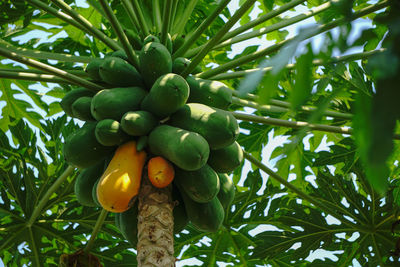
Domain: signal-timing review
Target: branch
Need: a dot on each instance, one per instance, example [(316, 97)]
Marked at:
[(132, 16), (79, 73), (31, 77), (179, 27), (293, 188), (203, 26), (45, 55), (316, 62), (120, 33), (49, 69), (157, 15), (38, 208), (140, 16), (279, 106), (89, 28), (217, 37), (96, 229), (166, 19), (273, 48)]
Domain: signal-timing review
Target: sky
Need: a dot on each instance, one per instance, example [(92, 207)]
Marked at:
[(274, 141)]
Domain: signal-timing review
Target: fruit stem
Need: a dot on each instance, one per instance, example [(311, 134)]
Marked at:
[(49, 69), (217, 37), (316, 62), (89, 28), (120, 33), (45, 55), (203, 26), (273, 48), (96, 229), (59, 181)]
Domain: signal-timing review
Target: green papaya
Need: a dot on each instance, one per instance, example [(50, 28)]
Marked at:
[(207, 217), (71, 96), (154, 61), (187, 150), (226, 192), (180, 217), (181, 63), (177, 42), (114, 103), (142, 143), (217, 126), (85, 182), (93, 68), (210, 93), (81, 108), (121, 54), (226, 159), (167, 95), (118, 72), (150, 38), (94, 193), (134, 39), (109, 133), (137, 123), (81, 148), (128, 221), (200, 185)]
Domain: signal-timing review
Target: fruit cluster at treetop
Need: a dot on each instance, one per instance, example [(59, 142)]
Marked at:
[(152, 117)]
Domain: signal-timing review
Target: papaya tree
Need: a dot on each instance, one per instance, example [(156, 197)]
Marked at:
[(215, 133)]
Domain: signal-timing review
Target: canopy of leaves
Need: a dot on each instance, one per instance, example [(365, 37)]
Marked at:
[(331, 195)]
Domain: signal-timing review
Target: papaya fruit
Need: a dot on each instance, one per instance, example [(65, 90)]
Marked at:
[(81, 148), (187, 150), (114, 103), (134, 39), (206, 217), (177, 42), (211, 93), (150, 38), (118, 72), (121, 54), (71, 97), (168, 93), (179, 212), (81, 108), (85, 182), (142, 142), (138, 123), (93, 68), (226, 159), (201, 185), (127, 224), (160, 171), (226, 192), (109, 133), (217, 126), (120, 183), (94, 193), (154, 61), (180, 63)]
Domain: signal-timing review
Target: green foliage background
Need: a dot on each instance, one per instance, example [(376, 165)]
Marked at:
[(343, 199)]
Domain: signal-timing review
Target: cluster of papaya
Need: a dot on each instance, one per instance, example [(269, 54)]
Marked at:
[(179, 128)]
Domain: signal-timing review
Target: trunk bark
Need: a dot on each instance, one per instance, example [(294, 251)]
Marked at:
[(155, 225)]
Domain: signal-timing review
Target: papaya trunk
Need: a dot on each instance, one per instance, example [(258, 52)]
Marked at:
[(155, 225)]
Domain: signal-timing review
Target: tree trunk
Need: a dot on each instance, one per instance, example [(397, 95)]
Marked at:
[(155, 225)]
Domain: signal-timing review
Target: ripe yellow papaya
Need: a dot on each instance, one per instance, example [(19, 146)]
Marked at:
[(121, 180)]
